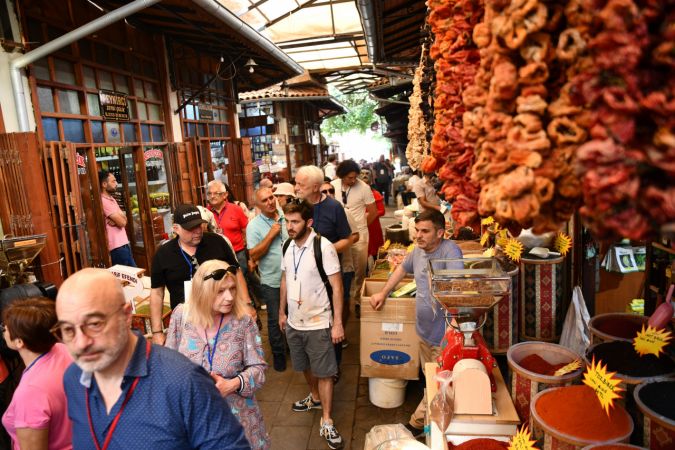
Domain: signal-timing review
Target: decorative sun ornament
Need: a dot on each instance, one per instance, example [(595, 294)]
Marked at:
[(513, 249), (487, 220), (489, 253), (502, 237), (562, 243)]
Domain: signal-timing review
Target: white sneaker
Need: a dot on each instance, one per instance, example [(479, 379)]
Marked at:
[(333, 438)]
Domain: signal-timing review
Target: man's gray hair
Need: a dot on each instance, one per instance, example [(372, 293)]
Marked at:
[(313, 174), (218, 184)]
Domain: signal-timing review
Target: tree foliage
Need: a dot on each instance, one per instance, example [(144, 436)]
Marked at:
[(360, 114)]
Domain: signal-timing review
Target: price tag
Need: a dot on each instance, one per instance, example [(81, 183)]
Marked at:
[(603, 383), (484, 238), (571, 367), (651, 341), (386, 244), (522, 440)]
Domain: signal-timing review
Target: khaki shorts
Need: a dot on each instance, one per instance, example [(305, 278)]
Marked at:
[(312, 349)]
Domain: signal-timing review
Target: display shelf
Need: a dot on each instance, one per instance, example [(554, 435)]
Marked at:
[(107, 158), (150, 183)]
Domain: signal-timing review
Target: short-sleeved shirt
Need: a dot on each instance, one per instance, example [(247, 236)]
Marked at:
[(423, 189), (175, 406), (330, 220), (170, 268), (430, 317), (270, 262), (315, 312), (117, 237), (358, 196), (231, 220), (329, 170), (39, 401)]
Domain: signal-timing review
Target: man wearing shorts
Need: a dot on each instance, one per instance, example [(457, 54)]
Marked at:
[(312, 326)]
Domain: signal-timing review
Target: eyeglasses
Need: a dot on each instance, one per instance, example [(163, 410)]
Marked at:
[(92, 327), (328, 191), (219, 274), (214, 194)]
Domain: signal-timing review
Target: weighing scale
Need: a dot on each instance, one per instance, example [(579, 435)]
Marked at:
[(16, 255)]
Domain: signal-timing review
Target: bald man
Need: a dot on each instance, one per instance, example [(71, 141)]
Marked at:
[(119, 373)]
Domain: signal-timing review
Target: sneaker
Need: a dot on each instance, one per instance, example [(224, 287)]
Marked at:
[(279, 362), (345, 343), (333, 438), (263, 307), (416, 432), (306, 404)]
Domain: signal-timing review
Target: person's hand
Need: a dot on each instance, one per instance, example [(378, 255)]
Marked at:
[(252, 265), (282, 321), (337, 333), (275, 229), (110, 222), (377, 300), (226, 386), (158, 338), (250, 310)]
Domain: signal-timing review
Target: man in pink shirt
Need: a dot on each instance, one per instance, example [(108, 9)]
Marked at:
[(115, 221)]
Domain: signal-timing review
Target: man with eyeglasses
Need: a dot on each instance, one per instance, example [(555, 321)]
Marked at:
[(265, 235), (176, 261), (124, 392), (230, 218)]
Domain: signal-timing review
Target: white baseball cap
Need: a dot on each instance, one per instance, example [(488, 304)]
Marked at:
[(284, 189)]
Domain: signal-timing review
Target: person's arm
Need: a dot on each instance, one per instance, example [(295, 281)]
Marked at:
[(263, 246), (253, 376), (282, 303), (342, 244), (33, 438), (173, 334), (156, 306), (425, 204), (377, 299), (337, 331), (118, 219), (371, 213)]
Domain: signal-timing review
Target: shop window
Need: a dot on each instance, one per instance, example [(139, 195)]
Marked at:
[(145, 133), (46, 99), (64, 71), (121, 83), (132, 108), (89, 77), (225, 130), (244, 132), (51, 129), (214, 130), (102, 56), (105, 80), (142, 112), (69, 102), (222, 115), (191, 130), (190, 112), (93, 105), (201, 129), (157, 133), (138, 88), (112, 130), (73, 130), (41, 69), (97, 131), (153, 112), (129, 132), (151, 91), (85, 50)]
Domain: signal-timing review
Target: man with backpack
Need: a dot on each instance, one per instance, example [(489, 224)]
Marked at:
[(314, 321)]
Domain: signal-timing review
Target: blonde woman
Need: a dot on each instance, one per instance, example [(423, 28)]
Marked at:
[(213, 330)]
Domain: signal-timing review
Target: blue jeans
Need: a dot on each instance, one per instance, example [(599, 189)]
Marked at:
[(122, 255), (270, 296)]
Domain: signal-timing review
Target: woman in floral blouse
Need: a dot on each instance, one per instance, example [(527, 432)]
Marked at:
[(213, 330)]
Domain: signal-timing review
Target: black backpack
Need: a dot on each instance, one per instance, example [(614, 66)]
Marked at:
[(318, 257)]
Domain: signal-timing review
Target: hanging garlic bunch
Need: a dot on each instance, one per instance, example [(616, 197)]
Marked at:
[(418, 147)]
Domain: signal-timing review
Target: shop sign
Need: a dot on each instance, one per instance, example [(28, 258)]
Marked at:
[(153, 153), (205, 114), (114, 106)]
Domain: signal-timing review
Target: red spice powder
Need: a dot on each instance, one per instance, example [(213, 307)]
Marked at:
[(576, 411), (537, 364), (611, 447), (481, 444)]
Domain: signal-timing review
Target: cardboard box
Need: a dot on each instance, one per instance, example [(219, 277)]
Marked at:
[(389, 342)]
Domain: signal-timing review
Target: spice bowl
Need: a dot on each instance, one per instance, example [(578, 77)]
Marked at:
[(615, 327), (656, 402), (526, 383), (572, 418)]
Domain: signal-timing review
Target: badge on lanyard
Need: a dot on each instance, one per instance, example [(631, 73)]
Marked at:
[(294, 290), (187, 285)]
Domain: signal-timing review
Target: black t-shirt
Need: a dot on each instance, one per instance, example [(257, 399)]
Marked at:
[(330, 220), (170, 268)]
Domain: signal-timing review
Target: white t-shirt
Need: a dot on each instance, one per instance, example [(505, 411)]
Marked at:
[(424, 189), (358, 196), (312, 311), (412, 182), (329, 170)]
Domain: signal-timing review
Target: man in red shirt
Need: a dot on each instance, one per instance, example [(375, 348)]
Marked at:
[(230, 218)]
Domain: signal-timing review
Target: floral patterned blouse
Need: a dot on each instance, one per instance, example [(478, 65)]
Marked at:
[(238, 352)]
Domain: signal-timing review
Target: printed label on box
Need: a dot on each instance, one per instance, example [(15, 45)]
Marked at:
[(390, 357), (392, 327)]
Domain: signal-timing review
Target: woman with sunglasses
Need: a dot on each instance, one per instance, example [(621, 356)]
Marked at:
[(213, 330), (37, 417)]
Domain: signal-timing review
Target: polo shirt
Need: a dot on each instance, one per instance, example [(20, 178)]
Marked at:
[(358, 196), (330, 220), (117, 237), (170, 269), (430, 317), (231, 220), (175, 406), (315, 312), (269, 263)]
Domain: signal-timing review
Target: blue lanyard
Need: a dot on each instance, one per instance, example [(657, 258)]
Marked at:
[(211, 352), (33, 363), (295, 266), (192, 269)]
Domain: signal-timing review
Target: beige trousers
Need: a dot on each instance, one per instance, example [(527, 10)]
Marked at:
[(360, 257), (428, 353)]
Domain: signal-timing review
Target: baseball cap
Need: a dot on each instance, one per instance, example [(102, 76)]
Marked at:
[(187, 216), (284, 189)]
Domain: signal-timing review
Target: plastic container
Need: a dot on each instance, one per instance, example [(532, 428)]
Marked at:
[(524, 383), (386, 392), (658, 430), (615, 327), (612, 447)]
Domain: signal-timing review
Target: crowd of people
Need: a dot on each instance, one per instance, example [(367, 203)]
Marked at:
[(302, 254)]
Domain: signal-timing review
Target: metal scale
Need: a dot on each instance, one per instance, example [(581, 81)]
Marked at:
[(16, 256), (467, 289)]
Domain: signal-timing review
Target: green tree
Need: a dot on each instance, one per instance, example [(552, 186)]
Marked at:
[(360, 114)]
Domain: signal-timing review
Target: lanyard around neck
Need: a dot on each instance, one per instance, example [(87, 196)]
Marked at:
[(187, 260), (33, 363), (113, 425), (211, 352), (297, 265)]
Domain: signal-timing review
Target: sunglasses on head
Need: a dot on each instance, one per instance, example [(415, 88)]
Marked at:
[(327, 191), (219, 274)]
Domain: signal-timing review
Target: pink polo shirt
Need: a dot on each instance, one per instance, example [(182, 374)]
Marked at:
[(39, 401), (117, 236)]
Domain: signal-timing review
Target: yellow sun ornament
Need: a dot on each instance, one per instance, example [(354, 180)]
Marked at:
[(487, 220), (605, 385), (562, 243), (489, 253), (513, 249), (484, 239), (502, 238), (522, 440), (651, 341)]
